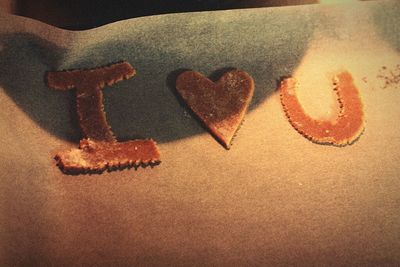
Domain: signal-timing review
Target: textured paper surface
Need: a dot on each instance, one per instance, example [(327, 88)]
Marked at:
[(274, 199)]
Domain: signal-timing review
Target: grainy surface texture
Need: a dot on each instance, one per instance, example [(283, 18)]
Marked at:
[(273, 199), (221, 105)]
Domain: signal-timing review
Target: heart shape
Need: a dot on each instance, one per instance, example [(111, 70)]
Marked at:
[(220, 105)]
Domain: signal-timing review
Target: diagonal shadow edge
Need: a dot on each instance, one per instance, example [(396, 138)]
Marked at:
[(144, 106)]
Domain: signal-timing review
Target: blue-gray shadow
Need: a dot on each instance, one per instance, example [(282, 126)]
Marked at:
[(387, 23), (146, 105), (25, 58)]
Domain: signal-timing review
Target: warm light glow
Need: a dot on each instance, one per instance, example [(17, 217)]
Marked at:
[(336, 1), (353, 47)]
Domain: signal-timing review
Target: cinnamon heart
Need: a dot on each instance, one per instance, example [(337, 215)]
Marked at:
[(220, 105)]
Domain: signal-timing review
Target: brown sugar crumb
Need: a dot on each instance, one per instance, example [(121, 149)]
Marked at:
[(220, 106), (344, 130), (389, 77), (96, 157), (99, 150)]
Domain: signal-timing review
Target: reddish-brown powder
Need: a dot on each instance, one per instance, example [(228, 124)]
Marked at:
[(344, 130), (99, 150)]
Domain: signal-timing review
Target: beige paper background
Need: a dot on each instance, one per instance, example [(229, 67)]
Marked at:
[(274, 199)]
